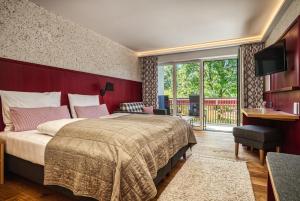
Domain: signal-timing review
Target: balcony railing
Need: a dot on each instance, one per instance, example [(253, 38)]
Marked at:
[(216, 110)]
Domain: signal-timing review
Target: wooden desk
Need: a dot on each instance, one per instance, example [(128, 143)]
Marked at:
[(269, 114)]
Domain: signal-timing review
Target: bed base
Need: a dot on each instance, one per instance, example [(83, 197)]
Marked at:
[(35, 172)]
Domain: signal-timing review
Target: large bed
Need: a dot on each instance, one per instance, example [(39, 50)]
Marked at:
[(30, 153), (25, 155)]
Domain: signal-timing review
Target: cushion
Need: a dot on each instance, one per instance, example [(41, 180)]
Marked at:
[(52, 127), (91, 111), (26, 100), (82, 100), (257, 133), (148, 110), (132, 107), (29, 118)]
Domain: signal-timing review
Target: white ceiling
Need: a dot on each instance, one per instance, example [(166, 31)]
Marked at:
[(143, 25)]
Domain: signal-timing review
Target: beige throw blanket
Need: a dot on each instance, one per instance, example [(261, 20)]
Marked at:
[(114, 159)]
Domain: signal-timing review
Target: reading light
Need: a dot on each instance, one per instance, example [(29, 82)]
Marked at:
[(108, 87)]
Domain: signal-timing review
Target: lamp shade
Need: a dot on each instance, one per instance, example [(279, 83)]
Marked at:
[(109, 86)]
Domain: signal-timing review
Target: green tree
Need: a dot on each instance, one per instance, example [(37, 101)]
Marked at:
[(220, 78), (187, 75), (168, 80)]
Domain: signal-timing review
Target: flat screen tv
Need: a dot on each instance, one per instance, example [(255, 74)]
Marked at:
[(271, 59)]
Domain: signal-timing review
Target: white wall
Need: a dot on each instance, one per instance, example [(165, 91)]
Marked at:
[(200, 54), (284, 22), (33, 34)]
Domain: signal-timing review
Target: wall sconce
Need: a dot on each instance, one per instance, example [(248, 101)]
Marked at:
[(108, 87)]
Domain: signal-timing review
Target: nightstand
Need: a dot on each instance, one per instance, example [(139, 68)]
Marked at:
[(2, 143)]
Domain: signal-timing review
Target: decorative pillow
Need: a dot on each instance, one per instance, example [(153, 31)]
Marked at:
[(29, 118), (132, 107), (82, 100), (26, 100), (148, 110), (91, 111), (52, 127)]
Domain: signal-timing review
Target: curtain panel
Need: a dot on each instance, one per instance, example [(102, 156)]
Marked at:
[(149, 80), (252, 87)]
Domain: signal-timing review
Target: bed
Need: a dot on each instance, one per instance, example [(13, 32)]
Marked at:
[(26, 151), (25, 156)]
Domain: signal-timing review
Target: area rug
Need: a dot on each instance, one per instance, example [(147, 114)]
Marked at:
[(204, 178)]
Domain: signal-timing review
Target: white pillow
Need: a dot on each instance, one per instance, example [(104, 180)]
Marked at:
[(26, 100), (82, 100), (52, 127)]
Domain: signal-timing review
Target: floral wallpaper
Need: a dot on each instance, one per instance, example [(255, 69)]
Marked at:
[(31, 33), (285, 21), (150, 80), (252, 86)]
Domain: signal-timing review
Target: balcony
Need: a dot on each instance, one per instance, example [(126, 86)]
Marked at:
[(219, 113)]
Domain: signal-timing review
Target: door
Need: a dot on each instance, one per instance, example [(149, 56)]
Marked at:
[(220, 83), (180, 90)]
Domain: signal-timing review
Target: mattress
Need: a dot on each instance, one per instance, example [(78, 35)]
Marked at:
[(31, 145), (27, 145)]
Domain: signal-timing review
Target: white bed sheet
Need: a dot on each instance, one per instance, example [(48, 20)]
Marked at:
[(27, 145), (31, 145)]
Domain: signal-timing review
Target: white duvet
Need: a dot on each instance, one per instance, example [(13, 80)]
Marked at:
[(52, 127), (31, 145)]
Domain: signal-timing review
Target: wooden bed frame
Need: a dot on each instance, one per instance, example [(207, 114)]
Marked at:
[(35, 172)]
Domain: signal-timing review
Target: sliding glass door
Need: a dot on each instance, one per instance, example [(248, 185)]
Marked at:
[(203, 93), (165, 87), (220, 94), (187, 91), (179, 90)]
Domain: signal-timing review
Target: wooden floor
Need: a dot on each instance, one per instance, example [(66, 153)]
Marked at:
[(216, 144)]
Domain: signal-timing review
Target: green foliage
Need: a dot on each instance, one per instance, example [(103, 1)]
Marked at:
[(168, 80), (187, 79), (220, 79)]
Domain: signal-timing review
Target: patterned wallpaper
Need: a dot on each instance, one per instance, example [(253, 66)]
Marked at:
[(31, 33), (288, 17)]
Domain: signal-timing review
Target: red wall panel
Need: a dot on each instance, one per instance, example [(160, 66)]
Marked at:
[(23, 76), (284, 100), (291, 76)]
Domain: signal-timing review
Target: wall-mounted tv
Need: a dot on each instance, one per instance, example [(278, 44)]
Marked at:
[(271, 59)]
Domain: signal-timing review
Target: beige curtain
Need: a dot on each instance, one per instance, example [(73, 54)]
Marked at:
[(150, 80), (252, 87)]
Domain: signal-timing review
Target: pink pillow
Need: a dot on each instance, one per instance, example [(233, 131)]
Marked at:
[(148, 110), (91, 111), (29, 118)]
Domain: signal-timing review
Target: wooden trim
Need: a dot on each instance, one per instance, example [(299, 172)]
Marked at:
[(284, 89), (262, 156), (269, 114), (236, 149), (272, 181)]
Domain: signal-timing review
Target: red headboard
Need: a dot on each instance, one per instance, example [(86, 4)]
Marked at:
[(23, 76)]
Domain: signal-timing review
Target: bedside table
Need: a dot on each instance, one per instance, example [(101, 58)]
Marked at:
[(2, 143)]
